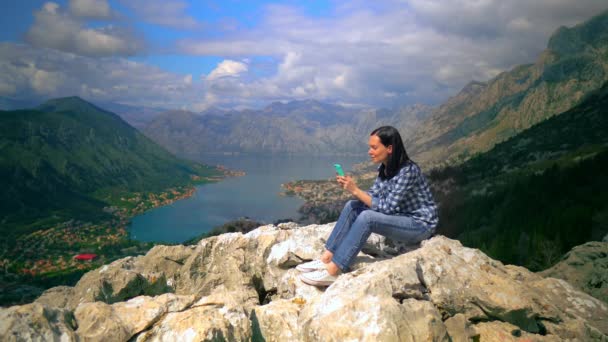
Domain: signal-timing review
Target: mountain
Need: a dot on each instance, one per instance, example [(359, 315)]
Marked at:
[(136, 116), (485, 113), (439, 291), (12, 104), (297, 127), (59, 160), (531, 198)]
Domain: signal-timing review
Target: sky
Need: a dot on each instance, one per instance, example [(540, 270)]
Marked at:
[(246, 54)]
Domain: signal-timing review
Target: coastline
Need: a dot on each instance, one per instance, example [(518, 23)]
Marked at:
[(324, 199), (45, 258)]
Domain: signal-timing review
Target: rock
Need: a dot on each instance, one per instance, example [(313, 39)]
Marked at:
[(161, 267), (278, 321), (459, 328), (110, 283), (152, 274), (290, 286), (381, 301), (36, 322), (585, 267), (303, 245), (464, 280), (572, 303), (230, 260), (501, 331), (245, 286), (215, 318), (58, 296), (97, 321)]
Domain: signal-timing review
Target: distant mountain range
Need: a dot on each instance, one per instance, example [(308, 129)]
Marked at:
[(574, 64), (481, 115), (58, 158), (136, 116), (299, 127)]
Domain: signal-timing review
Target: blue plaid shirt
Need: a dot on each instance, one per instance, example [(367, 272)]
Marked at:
[(406, 194)]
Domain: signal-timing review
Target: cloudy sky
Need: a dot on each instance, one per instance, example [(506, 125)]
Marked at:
[(239, 54)]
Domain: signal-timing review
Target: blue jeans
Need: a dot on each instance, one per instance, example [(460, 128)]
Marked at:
[(357, 222)]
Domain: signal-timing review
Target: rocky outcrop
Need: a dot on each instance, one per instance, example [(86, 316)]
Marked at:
[(585, 267), (244, 287)]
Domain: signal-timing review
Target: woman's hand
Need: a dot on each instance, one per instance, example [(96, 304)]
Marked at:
[(348, 183)]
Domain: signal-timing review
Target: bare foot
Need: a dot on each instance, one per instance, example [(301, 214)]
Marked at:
[(332, 268), (326, 257)]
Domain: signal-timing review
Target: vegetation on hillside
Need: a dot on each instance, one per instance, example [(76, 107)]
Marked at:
[(72, 176), (532, 198), (69, 159)]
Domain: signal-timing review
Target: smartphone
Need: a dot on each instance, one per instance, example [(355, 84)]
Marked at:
[(339, 170)]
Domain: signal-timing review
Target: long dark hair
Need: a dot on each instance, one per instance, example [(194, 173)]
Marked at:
[(389, 135)]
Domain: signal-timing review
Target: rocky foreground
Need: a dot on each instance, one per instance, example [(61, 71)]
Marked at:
[(244, 287)]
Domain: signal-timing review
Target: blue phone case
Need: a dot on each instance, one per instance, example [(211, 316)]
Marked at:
[(339, 169)]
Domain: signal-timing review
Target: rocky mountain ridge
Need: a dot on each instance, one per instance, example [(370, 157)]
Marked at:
[(245, 287), (485, 113), (298, 127)]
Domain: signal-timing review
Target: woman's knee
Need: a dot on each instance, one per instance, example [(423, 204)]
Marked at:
[(366, 217), (352, 204)]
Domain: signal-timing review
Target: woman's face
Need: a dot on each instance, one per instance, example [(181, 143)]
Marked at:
[(378, 152)]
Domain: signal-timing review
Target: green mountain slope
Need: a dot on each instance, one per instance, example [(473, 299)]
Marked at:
[(533, 197), (574, 64), (65, 158)]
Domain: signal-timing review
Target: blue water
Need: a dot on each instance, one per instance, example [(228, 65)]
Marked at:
[(255, 195)]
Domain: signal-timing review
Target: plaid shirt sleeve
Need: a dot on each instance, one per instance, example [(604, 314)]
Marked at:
[(373, 191), (389, 202)]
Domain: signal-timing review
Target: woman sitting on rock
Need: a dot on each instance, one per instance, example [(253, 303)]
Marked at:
[(399, 206)]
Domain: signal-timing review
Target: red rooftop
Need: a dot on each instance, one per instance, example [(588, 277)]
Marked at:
[(86, 256)]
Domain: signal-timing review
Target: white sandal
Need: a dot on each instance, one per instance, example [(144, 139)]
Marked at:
[(310, 266)]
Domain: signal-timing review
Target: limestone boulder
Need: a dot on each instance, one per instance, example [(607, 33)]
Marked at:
[(278, 320), (381, 301), (151, 274), (304, 244), (441, 280), (218, 317), (502, 331), (245, 286), (110, 283), (228, 260), (99, 321), (585, 267), (161, 267), (464, 280), (58, 296), (36, 322)]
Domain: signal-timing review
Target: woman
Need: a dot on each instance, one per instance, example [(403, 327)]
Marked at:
[(399, 206)]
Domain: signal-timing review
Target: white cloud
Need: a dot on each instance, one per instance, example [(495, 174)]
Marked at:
[(94, 9), (227, 68), (379, 53), (51, 73), (418, 50), (56, 29), (165, 13)]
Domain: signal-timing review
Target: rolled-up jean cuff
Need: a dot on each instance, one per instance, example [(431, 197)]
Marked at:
[(340, 264)]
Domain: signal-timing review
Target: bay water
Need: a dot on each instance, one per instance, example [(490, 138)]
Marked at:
[(255, 195)]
